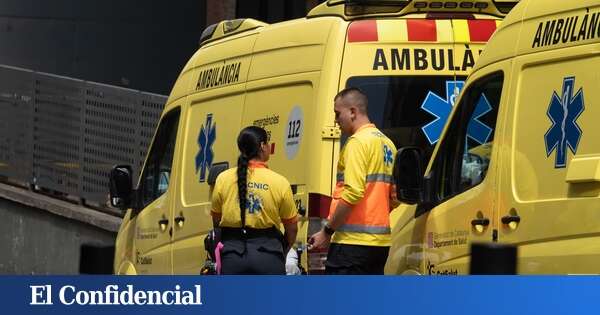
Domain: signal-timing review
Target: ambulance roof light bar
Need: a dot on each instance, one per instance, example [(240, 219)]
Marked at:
[(227, 28), (351, 9)]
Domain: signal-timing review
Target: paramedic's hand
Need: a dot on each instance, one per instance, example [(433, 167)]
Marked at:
[(319, 240)]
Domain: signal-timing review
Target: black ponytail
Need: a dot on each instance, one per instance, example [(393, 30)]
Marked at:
[(248, 142), (242, 174)]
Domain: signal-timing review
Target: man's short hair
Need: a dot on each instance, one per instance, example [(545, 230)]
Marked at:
[(357, 97)]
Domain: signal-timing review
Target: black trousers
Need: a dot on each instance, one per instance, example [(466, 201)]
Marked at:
[(344, 259), (259, 255)]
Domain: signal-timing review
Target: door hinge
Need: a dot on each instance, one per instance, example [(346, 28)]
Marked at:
[(331, 132)]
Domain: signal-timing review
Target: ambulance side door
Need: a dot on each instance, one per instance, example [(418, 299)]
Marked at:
[(551, 200), (211, 128), (153, 222), (462, 180)]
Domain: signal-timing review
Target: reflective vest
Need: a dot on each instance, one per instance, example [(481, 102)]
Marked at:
[(364, 181)]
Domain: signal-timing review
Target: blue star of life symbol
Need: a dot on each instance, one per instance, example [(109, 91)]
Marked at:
[(206, 139), (477, 130), (564, 132), (253, 203), (387, 155), (440, 108)]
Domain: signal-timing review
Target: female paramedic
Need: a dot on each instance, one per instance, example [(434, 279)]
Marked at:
[(249, 203)]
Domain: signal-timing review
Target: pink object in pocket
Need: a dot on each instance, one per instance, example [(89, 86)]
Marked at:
[(218, 256)]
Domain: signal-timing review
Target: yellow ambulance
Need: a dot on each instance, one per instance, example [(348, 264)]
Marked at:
[(410, 57), (535, 181)]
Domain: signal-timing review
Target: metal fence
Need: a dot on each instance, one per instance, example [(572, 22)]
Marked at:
[(64, 135)]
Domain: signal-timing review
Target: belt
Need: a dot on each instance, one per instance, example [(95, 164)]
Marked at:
[(246, 233)]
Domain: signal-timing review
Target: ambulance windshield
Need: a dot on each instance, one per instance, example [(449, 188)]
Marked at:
[(410, 110)]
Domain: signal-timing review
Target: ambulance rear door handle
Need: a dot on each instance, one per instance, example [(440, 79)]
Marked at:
[(179, 221), (482, 222), (162, 224), (507, 219)]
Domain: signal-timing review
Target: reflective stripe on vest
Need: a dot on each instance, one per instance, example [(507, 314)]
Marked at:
[(370, 178), (370, 214), (385, 178), (357, 228)]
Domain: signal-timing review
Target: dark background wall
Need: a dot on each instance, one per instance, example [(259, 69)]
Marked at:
[(271, 10), (138, 44)]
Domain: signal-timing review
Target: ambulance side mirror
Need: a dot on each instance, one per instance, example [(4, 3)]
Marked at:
[(121, 189), (408, 175)]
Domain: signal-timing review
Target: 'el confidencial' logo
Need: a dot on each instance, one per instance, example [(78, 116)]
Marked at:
[(563, 112)]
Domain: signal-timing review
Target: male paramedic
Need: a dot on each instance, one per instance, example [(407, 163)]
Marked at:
[(359, 225)]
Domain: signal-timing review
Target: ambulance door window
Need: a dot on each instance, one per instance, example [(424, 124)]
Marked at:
[(410, 110), (157, 171), (464, 155)]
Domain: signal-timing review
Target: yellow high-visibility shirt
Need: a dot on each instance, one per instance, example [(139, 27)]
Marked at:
[(269, 198), (364, 181)]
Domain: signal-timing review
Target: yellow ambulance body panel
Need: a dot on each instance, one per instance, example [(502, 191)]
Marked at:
[(533, 178), (410, 57)]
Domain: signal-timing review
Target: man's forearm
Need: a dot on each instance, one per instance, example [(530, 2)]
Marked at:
[(290, 234), (342, 211)]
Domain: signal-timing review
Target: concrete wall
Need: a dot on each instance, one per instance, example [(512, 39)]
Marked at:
[(35, 241)]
